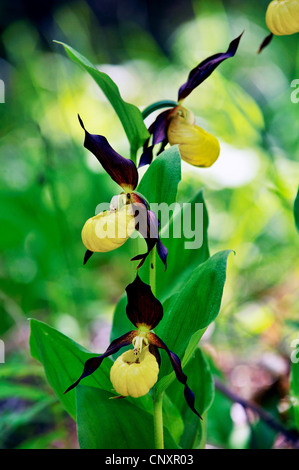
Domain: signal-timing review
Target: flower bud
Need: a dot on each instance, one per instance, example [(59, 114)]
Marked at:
[(197, 147), (282, 17), (108, 230), (134, 375)]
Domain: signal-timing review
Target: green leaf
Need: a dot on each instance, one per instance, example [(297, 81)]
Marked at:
[(63, 360), (296, 210), (294, 389), (113, 424), (160, 182), (261, 435), (201, 298), (129, 115), (181, 260), (172, 418), (201, 383), (199, 380), (220, 424)]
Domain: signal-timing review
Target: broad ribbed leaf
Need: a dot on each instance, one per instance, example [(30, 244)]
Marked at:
[(188, 312), (63, 360), (172, 418), (160, 182), (201, 382), (294, 389), (129, 115), (181, 259), (296, 210), (113, 424)]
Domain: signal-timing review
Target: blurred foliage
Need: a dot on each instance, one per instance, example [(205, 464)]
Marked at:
[(50, 185)]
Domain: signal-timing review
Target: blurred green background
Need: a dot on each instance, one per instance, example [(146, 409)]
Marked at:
[(50, 185)]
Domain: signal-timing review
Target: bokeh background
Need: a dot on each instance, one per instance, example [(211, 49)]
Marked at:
[(50, 185)]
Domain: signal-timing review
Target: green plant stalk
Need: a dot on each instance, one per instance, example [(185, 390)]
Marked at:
[(157, 396), (158, 105), (133, 155), (158, 420), (204, 428)]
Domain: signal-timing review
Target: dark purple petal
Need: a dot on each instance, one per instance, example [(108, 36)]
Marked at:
[(136, 199), (265, 42), (87, 255), (205, 68), (142, 306), (158, 129), (121, 170), (154, 231), (176, 364), (93, 363), (162, 252), (163, 145), (155, 352), (147, 225), (147, 156)]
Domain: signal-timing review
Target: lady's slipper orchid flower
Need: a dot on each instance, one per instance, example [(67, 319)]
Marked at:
[(136, 371), (177, 125), (134, 374), (109, 230), (282, 19), (197, 147)]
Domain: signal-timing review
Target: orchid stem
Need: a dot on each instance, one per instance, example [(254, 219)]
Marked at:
[(158, 420), (133, 155), (157, 397), (158, 105)]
